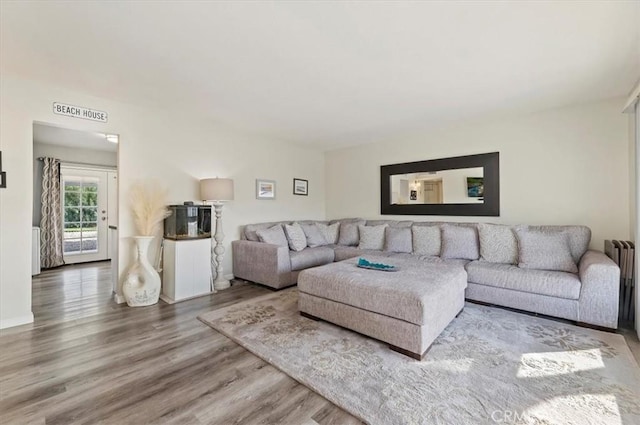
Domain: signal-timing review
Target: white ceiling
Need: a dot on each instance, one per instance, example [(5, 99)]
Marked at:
[(51, 135), (330, 73)]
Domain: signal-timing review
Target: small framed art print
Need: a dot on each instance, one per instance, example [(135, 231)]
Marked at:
[(265, 189), (300, 187)]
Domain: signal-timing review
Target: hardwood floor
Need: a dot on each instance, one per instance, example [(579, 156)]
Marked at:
[(87, 360)]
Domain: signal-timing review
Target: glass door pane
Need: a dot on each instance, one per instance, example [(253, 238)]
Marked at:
[(80, 215)]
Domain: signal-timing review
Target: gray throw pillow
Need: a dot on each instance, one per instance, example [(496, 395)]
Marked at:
[(371, 237), (544, 251), (498, 244), (296, 237), (426, 240), (273, 235), (330, 231), (459, 241), (349, 233), (397, 239), (250, 230), (314, 235)]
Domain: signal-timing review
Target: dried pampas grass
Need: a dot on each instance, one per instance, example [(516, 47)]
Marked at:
[(149, 205)]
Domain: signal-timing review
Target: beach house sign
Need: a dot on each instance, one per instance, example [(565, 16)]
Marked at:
[(79, 112)]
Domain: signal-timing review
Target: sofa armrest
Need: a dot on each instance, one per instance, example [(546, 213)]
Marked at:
[(599, 292), (262, 263)]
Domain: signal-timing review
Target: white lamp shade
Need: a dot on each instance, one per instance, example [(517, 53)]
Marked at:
[(216, 189)]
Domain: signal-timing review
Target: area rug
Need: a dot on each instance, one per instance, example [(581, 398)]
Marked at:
[(488, 366)]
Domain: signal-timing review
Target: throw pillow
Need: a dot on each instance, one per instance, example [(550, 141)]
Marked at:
[(296, 237), (498, 244), (397, 239), (250, 230), (273, 235), (314, 236), (330, 231), (371, 237), (426, 240), (545, 251), (349, 232), (460, 241)]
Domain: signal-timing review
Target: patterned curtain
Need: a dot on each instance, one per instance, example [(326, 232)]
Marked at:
[(51, 232)]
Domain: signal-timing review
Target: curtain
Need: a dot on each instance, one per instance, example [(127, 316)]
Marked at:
[(51, 232)]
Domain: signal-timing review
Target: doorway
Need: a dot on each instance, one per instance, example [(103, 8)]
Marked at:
[(432, 191), (86, 196), (75, 199)]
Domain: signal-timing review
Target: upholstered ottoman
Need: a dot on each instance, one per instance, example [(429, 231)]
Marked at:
[(407, 308)]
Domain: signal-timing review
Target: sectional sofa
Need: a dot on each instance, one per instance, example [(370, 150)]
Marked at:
[(542, 269)]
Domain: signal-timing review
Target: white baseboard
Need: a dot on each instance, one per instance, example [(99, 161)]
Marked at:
[(119, 299), (16, 321), (229, 277)]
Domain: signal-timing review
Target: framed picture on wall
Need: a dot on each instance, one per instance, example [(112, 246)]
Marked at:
[(265, 189), (300, 187), (475, 187)]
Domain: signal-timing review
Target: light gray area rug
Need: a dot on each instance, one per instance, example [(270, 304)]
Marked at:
[(489, 366)]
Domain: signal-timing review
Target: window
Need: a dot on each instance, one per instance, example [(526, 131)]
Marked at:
[(80, 215)]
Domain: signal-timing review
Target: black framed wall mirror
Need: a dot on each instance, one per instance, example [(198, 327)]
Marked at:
[(457, 186)]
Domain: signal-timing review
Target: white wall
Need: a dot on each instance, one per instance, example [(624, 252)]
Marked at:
[(174, 149), (565, 166), (64, 153)]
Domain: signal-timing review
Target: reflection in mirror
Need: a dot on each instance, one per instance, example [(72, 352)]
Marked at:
[(461, 186)]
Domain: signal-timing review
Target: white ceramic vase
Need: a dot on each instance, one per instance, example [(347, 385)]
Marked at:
[(141, 286)]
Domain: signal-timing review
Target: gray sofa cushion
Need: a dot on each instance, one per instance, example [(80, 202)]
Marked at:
[(330, 231), (371, 237), (314, 235), (426, 240), (579, 237), (273, 235), (311, 257), (346, 252), (542, 282), (498, 243), (349, 235), (296, 237), (460, 241), (397, 239), (542, 250)]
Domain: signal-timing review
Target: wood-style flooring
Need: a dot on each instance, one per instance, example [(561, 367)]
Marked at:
[(87, 360)]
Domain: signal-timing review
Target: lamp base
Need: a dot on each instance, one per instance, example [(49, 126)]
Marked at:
[(221, 284)]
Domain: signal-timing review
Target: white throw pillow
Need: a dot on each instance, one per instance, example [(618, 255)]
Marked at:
[(498, 243), (295, 236), (330, 231), (371, 237)]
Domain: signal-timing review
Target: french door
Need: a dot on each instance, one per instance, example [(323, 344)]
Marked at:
[(84, 214)]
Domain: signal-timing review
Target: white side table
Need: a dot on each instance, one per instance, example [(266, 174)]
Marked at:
[(186, 269)]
